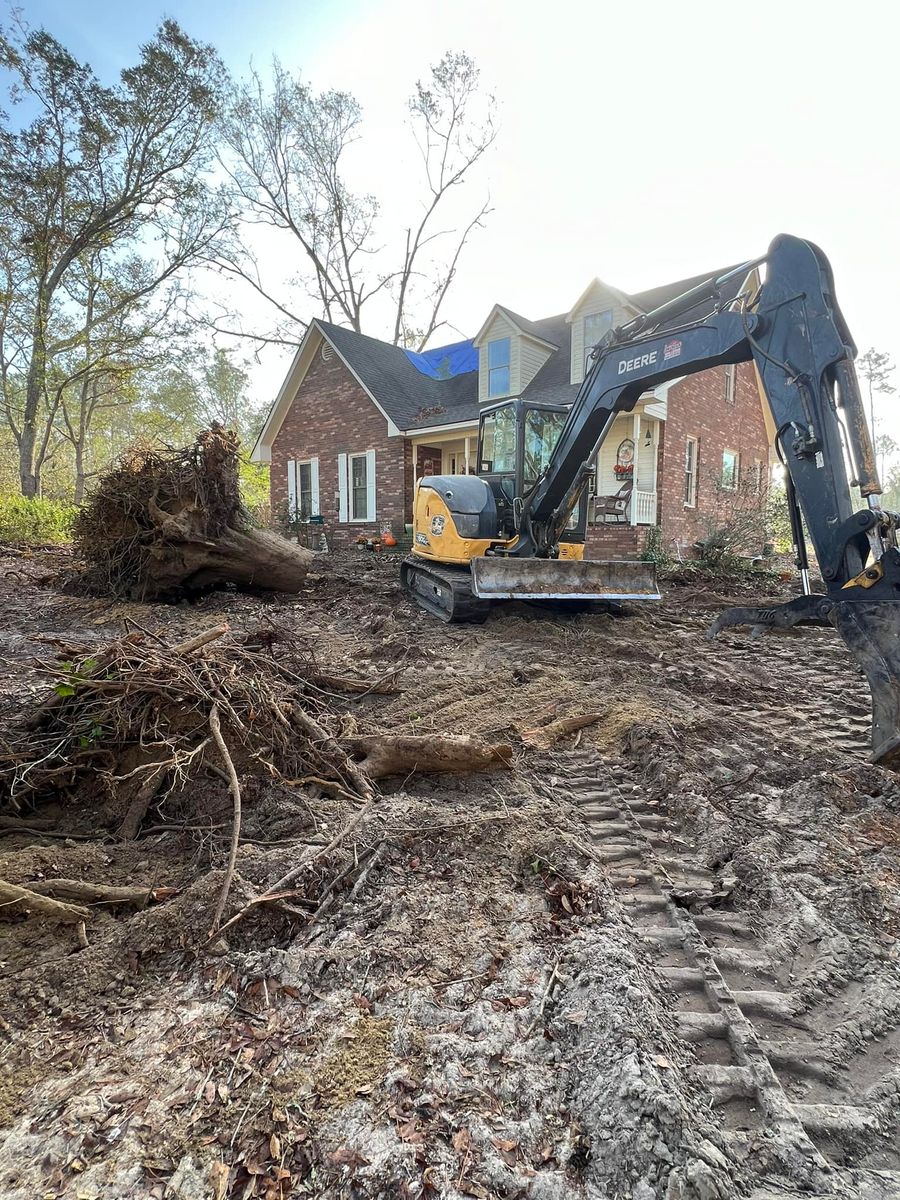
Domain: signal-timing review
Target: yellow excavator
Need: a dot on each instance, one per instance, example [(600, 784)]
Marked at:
[(516, 529)]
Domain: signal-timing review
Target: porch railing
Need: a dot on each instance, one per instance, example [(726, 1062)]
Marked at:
[(643, 508)]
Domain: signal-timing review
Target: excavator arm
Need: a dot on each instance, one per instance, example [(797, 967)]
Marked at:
[(795, 334)]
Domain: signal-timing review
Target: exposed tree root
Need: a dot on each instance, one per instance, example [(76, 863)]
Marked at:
[(99, 893), (165, 522)]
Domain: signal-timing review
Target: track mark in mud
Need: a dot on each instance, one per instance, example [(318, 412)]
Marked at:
[(769, 1063)]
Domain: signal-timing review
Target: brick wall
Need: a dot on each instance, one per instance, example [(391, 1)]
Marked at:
[(615, 540), (332, 415), (697, 408)]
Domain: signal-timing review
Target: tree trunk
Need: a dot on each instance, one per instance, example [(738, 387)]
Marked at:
[(256, 558), (79, 473), (29, 480)]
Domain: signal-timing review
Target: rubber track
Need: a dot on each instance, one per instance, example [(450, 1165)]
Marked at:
[(696, 956), (466, 606)]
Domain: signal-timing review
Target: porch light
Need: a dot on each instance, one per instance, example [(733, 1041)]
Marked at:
[(648, 437)]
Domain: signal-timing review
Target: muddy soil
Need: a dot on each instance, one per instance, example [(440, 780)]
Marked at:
[(459, 1004)]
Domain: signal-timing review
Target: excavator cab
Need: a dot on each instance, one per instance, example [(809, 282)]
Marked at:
[(466, 529), (515, 442)]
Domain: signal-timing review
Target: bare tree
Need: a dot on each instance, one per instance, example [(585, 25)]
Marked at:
[(97, 169), (876, 367), (450, 141), (286, 157)]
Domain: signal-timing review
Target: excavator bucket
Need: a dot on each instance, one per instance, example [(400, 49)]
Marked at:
[(497, 578), (872, 634)]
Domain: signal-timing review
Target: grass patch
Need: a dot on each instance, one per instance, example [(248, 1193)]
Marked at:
[(36, 522)]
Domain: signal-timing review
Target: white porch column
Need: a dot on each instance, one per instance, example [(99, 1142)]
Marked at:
[(466, 440), (636, 439)]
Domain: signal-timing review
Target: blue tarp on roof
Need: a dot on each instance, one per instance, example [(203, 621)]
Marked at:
[(444, 362)]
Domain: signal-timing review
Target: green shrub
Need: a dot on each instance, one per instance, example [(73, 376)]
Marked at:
[(656, 550), (35, 522)]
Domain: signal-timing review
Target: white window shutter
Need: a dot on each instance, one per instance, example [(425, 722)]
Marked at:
[(292, 489), (370, 485), (342, 487), (314, 478)]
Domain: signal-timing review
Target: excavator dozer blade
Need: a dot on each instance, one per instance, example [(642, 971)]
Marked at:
[(872, 634), (562, 579)]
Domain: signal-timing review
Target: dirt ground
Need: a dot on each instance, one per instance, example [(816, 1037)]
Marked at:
[(464, 1002)]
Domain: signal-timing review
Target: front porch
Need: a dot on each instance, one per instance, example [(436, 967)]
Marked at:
[(625, 486), (453, 454)]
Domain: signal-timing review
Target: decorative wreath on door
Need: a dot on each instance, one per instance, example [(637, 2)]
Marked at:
[(624, 468)]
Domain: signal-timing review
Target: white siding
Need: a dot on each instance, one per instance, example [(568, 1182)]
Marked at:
[(645, 457), (532, 357), (500, 327), (597, 300), (622, 427)]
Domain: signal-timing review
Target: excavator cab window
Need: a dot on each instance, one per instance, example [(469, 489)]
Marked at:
[(542, 430), (498, 441)]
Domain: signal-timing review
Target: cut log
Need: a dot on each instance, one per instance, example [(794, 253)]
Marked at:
[(14, 899), (381, 757), (98, 893), (251, 558), (548, 735)]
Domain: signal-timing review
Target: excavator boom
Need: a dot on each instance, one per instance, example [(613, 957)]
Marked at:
[(794, 333)]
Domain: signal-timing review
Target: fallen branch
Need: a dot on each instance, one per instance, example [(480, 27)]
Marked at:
[(200, 639), (384, 755), (66, 914), (548, 735), (362, 687), (99, 893), (216, 728)]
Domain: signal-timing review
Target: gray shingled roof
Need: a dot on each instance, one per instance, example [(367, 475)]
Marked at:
[(537, 329), (414, 401), (654, 297)]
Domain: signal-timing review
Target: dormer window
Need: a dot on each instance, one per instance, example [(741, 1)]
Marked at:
[(596, 326), (498, 367)]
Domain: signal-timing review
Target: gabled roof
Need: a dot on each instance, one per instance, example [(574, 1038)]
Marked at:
[(617, 293), (529, 328)]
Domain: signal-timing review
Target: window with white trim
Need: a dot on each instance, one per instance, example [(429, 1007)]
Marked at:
[(356, 487), (596, 326), (498, 367), (690, 472), (303, 489), (359, 488), (731, 468), (730, 373)]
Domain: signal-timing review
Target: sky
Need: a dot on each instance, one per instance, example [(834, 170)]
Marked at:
[(641, 143)]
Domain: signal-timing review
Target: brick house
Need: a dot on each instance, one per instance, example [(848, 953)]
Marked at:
[(357, 421)]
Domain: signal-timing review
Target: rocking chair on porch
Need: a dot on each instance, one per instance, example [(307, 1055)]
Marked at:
[(614, 506)]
